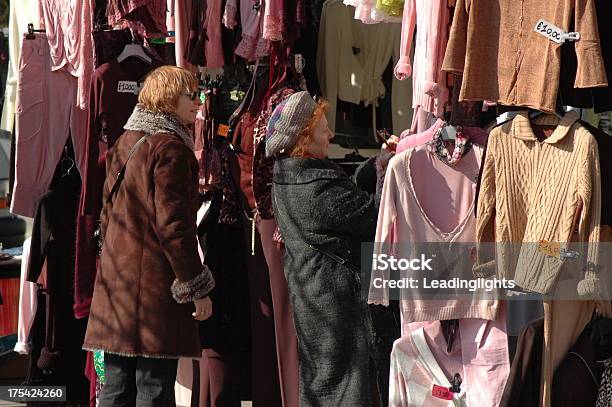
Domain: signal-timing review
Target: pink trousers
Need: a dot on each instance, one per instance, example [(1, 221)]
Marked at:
[(46, 115)]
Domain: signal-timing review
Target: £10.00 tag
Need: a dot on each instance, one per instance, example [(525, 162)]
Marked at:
[(553, 32), (440, 392)]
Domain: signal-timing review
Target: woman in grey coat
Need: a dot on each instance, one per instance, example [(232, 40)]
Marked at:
[(324, 216)]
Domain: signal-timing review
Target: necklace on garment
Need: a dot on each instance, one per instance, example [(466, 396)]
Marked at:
[(441, 148)]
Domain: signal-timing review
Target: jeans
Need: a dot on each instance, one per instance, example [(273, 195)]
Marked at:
[(138, 381)]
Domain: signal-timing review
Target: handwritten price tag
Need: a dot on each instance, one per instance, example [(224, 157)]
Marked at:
[(223, 130), (552, 249), (440, 392)]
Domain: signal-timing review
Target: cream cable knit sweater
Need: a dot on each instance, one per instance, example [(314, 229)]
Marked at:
[(531, 192)]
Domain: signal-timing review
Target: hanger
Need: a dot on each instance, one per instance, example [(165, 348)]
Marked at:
[(449, 330), (67, 163), (30, 35), (134, 50), (448, 132)]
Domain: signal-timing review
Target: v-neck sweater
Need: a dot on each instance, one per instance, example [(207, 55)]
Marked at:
[(403, 224), (531, 191)]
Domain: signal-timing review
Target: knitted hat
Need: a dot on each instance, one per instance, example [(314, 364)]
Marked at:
[(288, 120)]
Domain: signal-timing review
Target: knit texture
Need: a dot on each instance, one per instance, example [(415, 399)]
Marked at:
[(288, 120), (530, 192)]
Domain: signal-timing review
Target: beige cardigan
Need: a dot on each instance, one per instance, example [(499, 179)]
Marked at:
[(531, 191)]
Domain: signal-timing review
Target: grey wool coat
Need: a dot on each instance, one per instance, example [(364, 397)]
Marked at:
[(324, 217)]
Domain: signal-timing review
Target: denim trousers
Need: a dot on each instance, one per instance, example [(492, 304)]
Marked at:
[(138, 381)]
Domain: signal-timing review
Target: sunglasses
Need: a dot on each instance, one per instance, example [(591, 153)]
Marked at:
[(194, 95)]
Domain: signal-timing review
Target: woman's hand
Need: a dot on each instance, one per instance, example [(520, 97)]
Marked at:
[(203, 309), (391, 144)]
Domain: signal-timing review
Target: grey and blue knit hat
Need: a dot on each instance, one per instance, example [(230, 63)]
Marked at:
[(288, 120)]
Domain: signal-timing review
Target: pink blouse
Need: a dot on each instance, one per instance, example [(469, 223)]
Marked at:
[(68, 25)]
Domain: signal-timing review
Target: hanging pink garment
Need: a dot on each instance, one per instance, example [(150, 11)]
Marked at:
[(68, 26), (475, 134), (148, 17), (414, 209), (429, 82), (252, 46), (479, 354)]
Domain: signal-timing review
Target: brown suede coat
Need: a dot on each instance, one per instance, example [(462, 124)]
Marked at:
[(149, 241)]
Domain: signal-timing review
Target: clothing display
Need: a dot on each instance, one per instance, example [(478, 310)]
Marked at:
[(410, 216), (68, 27), (351, 59), (46, 115), (21, 13), (520, 218), (146, 16), (429, 82), (414, 371), (516, 46), (27, 303), (213, 185)]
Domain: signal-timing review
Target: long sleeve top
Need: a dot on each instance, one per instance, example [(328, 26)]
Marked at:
[(502, 57), (429, 82), (531, 192), (352, 58), (405, 223)]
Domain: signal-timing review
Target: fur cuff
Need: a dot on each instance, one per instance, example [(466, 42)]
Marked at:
[(194, 289)]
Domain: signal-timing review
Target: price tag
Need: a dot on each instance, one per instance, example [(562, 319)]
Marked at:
[(552, 249), (127, 87), (443, 393), (554, 33), (223, 130)]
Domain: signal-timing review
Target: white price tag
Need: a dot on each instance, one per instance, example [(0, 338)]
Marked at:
[(128, 87), (554, 33)]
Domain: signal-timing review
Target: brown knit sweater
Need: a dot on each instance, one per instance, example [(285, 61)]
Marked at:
[(531, 192)]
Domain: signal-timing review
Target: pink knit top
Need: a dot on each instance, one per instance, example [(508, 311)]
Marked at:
[(434, 203)]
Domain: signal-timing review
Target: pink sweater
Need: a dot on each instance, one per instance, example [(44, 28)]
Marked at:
[(415, 209), (430, 17)]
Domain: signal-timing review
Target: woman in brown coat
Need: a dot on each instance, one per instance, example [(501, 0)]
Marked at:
[(150, 276)]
